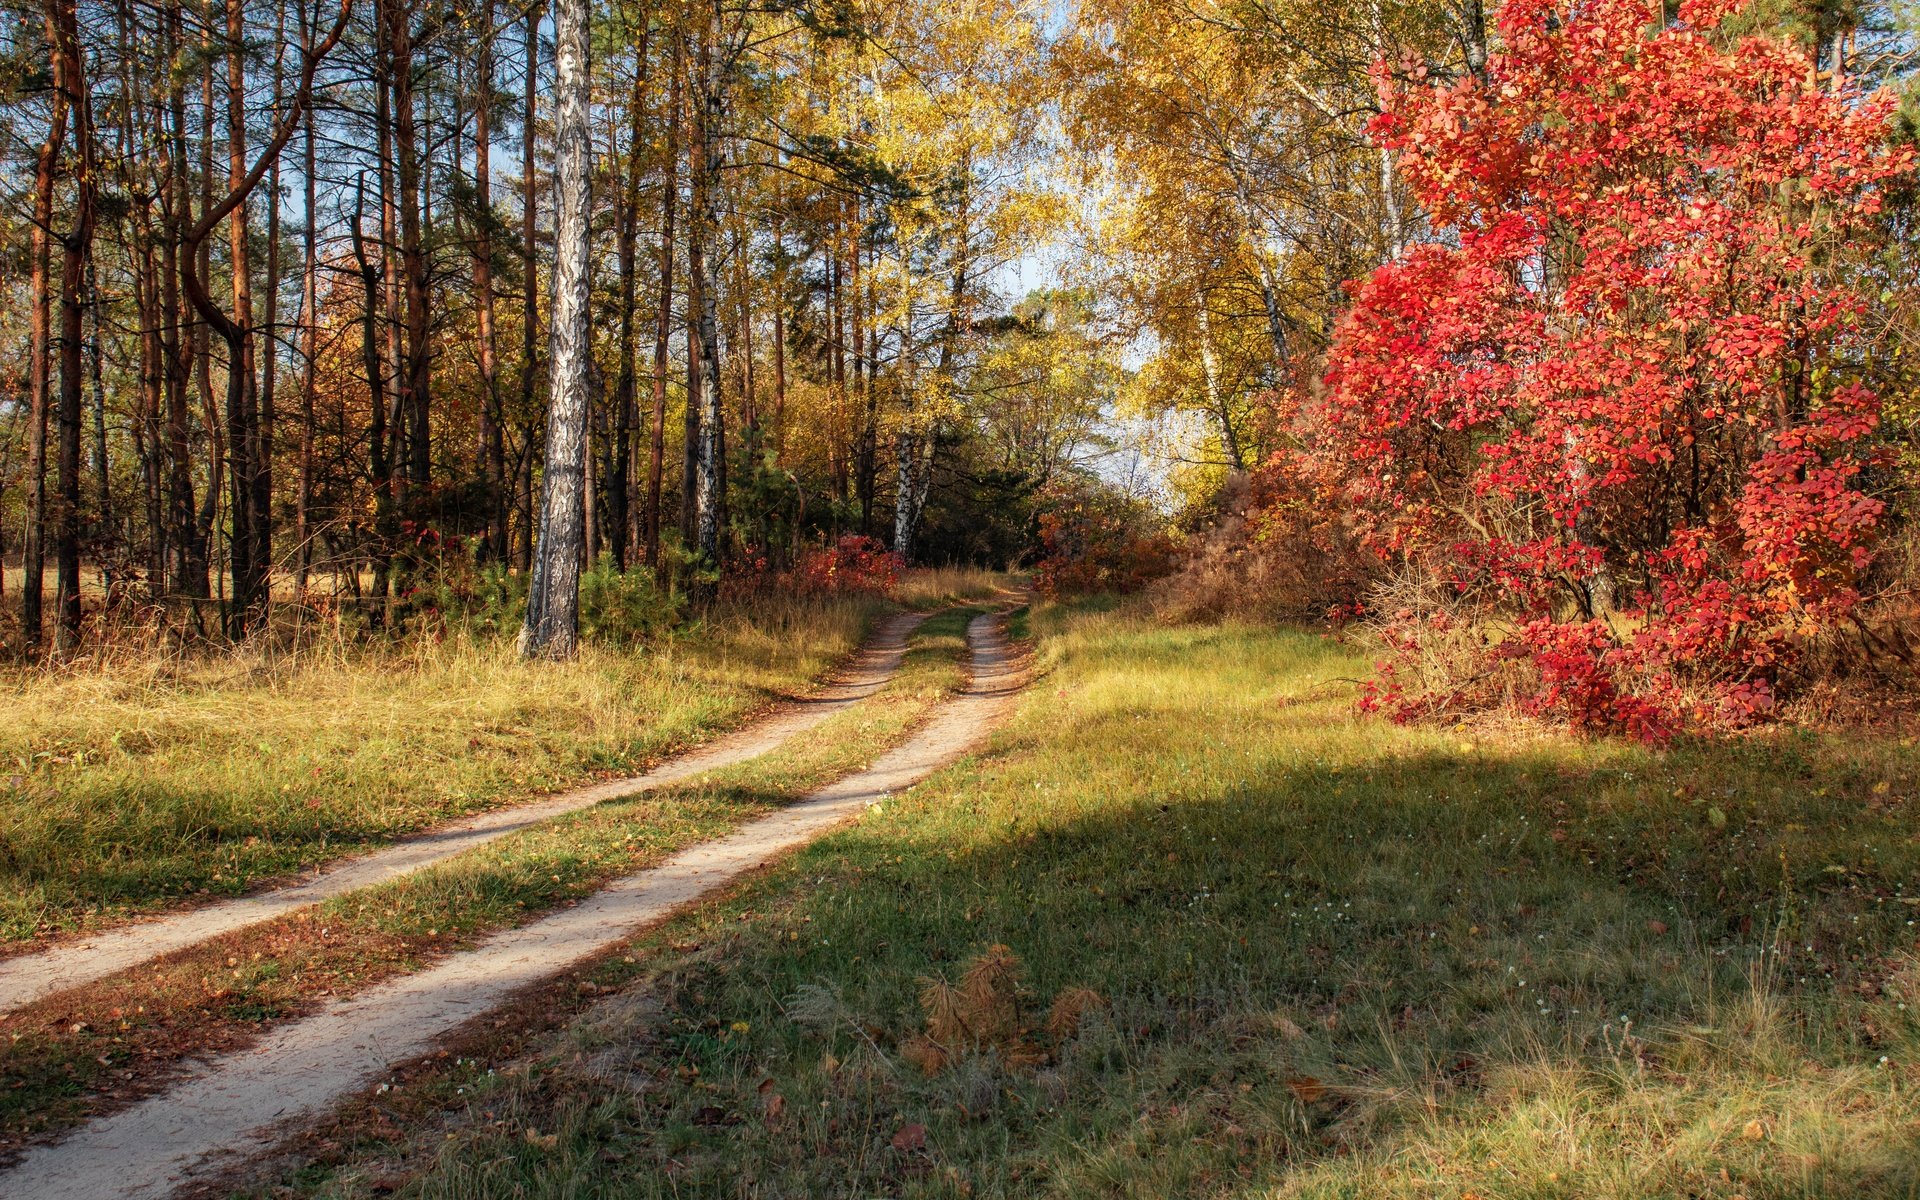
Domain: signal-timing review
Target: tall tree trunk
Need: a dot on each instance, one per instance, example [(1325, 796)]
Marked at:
[(837, 300), (663, 317), (186, 541), (76, 250), (40, 357), (309, 340), (390, 502), (138, 163), (696, 280), (710, 465), (866, 353), (242, 405), (779, 328), (248, 553), (553, 600), (198, 257), (743, 305), (529, 270), (264, 418), (103, 530), (493, 449), (417, 365), (379, 465), (622, 533)]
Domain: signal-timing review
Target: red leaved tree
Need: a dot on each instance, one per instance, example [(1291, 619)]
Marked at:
[(1616, 402)]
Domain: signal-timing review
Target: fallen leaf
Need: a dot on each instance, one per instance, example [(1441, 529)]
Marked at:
[(1756, 1130), (910, 1138), (1656, 927), (1307, 1088)]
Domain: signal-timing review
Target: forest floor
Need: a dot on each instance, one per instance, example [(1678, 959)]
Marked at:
[(1188, 925)]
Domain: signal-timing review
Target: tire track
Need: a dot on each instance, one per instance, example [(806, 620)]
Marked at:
[(29, 977), (235, 1105)]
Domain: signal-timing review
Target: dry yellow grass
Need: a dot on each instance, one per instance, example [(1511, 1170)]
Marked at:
[(130, 778)]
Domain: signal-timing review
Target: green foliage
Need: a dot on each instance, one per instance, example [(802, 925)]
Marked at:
[(624, 608)]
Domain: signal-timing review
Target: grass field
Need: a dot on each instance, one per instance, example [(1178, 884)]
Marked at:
[(1192, 928), (64, 1050), (127, 783)]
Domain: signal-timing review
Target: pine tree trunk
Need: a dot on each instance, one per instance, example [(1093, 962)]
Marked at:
[(186, 541), (76, 250), (242, 400), (40, 356), (530, 282), (309, 345), (416, 366), (553, 601), (103, 530), (663, 318), (264, 418), (378, 465), (623, 535), (493, 451)]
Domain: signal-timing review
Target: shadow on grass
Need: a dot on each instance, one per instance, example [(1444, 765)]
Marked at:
[(1554, 970)]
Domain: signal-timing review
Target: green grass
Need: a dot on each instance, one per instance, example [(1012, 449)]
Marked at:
[(235, 984), (1337, 958), (127, 784)]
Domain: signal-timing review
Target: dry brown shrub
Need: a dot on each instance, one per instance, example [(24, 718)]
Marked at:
[(983, 1014), (1268, 554)]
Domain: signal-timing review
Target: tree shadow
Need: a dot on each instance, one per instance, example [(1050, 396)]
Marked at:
[(1620, 976)]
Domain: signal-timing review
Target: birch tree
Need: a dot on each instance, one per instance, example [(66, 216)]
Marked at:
[(553, 599)]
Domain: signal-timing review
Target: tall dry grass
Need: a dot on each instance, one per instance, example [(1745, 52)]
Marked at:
[(139, 772)]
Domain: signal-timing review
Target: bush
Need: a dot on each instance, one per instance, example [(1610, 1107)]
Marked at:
[(625, 608), (1093, 539), (1617, 405), (855, 563)]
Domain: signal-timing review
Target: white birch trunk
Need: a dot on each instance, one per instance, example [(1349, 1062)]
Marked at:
[(709, 466), (553, 599)]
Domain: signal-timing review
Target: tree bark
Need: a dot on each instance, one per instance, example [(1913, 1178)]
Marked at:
[(493, 450), (264, 417), (622, 533), (379, 466), (663, 318), (553, 600), (309, 342), (529, 270), (76, 250), (710, 481), (416, 368), (186, 540), (40, 364), (243, 400)]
